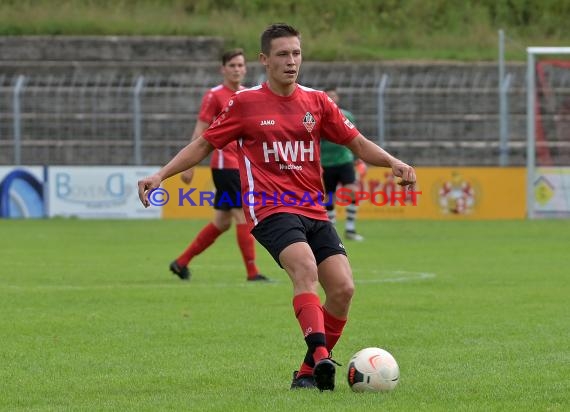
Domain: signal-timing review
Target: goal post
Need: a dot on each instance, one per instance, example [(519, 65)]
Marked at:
[(548, 132)]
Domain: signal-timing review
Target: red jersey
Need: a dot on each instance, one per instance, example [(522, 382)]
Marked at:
[(279, 148), (212, 104)]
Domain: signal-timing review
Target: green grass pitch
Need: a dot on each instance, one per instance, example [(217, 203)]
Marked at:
[(476, 313)]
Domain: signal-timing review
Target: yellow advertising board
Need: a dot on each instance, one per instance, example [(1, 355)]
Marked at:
[(199, 192), (451, 193), (446, 193)]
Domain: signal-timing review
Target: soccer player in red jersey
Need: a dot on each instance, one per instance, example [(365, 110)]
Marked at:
[(278, 126), (225, 174)]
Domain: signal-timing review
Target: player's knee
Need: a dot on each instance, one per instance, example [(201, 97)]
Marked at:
[(346, 291), (307, 269), (342, 293), (223, 225), (303, 273)]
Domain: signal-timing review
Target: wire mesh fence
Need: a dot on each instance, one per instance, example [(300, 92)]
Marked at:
[(429, 117)]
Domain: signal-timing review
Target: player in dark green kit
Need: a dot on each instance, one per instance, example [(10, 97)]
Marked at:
[(338, 168)]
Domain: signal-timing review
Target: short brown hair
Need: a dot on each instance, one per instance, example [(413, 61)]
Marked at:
[(276, 31), (230, 54)]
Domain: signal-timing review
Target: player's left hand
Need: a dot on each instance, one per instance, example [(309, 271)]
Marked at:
[(406, 173)]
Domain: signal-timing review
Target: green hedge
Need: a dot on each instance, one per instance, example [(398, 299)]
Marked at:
[(339, 29)]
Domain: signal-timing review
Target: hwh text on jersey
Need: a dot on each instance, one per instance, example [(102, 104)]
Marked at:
[(289, 151)]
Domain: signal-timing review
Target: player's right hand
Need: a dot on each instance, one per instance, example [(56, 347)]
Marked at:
[(187, 176), (146, 185)]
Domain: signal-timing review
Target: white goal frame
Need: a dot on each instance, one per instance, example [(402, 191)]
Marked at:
[(532, 52)]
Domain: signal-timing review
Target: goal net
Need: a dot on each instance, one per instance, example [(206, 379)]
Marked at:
[(548, 129)]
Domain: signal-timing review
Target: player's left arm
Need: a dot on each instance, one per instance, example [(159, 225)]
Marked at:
[(373, 154)]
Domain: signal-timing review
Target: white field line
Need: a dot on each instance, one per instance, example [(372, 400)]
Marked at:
[(397, 276)]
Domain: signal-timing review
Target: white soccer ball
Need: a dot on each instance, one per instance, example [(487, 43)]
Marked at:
[(373, 370)]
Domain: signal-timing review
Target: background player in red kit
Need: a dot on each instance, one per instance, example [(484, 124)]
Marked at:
[(225, 175), (278, 126)]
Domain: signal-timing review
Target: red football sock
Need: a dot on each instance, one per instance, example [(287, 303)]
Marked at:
[(306, 367), (309, 314), (246, 243), (205, 238), (305, 370), (333, 328)]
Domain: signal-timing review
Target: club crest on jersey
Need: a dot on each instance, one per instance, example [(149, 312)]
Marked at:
[(309, 122)]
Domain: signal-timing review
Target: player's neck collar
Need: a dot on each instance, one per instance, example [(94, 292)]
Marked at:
[(281, 96)]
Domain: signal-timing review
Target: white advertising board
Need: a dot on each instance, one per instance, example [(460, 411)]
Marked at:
[(97, 192), (552, 192)]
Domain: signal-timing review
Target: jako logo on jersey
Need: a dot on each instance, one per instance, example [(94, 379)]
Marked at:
[(348, 124), (289, 151), (267, 123), (309, 122)]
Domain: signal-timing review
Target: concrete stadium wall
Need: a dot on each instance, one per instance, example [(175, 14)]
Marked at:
[(437, 113)]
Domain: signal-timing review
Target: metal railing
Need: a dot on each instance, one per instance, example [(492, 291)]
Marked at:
[(430, 117)]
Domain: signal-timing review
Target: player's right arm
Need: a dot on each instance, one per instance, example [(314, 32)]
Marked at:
[(186, 158), (200, 127)]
